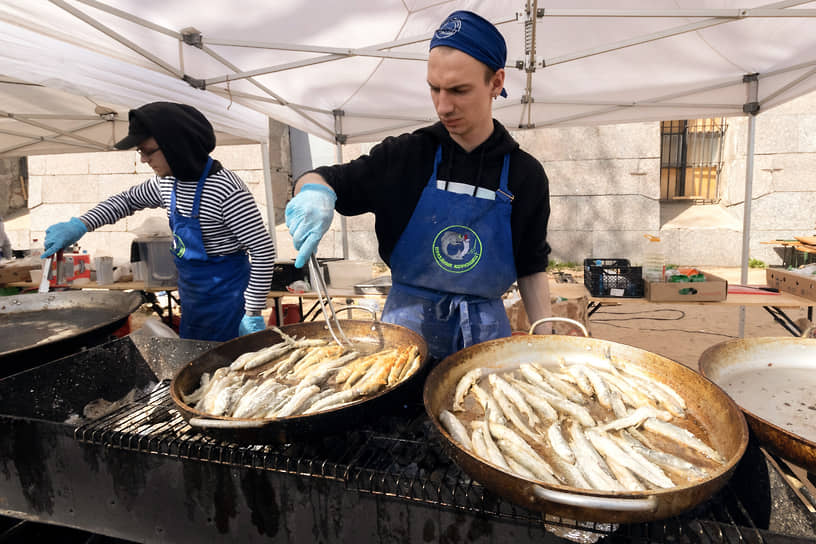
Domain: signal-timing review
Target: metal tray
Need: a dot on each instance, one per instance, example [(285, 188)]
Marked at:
[(376, 286)]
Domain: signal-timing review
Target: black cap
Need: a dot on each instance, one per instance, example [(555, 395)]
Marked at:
[(137, 132)]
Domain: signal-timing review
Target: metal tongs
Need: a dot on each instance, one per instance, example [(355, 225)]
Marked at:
[(322, 293)]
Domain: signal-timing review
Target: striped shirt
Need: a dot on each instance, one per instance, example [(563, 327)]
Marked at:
[(230, 221)]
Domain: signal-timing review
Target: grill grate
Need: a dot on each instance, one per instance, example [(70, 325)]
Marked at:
[(404, 460)]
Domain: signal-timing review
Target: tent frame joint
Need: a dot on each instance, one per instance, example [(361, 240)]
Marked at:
[(195, 82), (192, 36), (752, 104)]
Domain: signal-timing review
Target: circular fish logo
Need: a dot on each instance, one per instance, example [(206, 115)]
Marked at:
[(450, 27), (178, 246), (457, 249)]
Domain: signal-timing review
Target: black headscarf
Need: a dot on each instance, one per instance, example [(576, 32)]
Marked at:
[(184, 135)]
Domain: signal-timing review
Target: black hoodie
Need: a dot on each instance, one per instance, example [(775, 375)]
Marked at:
[(184, 135), (390, 179)]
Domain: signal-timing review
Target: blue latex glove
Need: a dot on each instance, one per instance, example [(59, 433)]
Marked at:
[(309, 215), (250, 324), (62, 235)]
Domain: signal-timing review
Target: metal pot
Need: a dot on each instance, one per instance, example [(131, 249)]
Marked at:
[(373, 335), (773, 381), (712, 409), (40, 327)]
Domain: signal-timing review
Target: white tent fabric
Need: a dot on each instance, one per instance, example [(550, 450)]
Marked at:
[(354, 70), (57, 97)]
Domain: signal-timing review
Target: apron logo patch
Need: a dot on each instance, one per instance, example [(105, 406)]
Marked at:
[(178, 246), (457, 249)]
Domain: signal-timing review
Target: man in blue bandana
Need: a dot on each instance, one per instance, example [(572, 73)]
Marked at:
[(461, 211)]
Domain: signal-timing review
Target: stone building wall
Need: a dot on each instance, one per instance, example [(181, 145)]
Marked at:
[(604, 187)]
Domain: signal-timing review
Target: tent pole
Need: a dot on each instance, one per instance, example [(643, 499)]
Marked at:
[(270, 197), (339, 139), (751, 107), (343, 221)]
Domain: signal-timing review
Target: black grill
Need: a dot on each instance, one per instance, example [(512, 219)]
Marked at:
[(402, 459)]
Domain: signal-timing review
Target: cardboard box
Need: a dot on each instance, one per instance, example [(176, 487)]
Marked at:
[(791, 282), (713, 289), (18, 270)]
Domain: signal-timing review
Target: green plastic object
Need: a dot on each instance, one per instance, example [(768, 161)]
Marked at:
[(697, 277), (677, 278)]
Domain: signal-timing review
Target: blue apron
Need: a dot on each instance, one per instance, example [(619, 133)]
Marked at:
[(451, 266), (211, 289)]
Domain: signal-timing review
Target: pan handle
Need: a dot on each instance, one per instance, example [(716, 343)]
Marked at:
[(568, 320), (205, 423), (648, 504)]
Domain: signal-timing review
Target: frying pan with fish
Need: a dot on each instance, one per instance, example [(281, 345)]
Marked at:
[(707, 405), (367, 337)]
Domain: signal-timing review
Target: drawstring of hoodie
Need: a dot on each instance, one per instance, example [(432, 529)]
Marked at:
[(476, 184), (449, 175)]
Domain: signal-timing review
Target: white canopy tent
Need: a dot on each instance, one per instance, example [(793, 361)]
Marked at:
[(354, 71)]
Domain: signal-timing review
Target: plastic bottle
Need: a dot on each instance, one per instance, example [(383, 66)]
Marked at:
[(654, 260)]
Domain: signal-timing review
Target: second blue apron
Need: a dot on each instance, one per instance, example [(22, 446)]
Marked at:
[(211, 289)]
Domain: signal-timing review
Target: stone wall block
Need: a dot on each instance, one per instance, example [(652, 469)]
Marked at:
[(631, 140), (613, 212), (604, 176), (569, 245), (807, 132), (70, 188), (239, 157), (35, 190), (776, 134), (114, 184), (116, 162), (701, 247), (786, 172), (68, 164), (784, 210), (43, 217)]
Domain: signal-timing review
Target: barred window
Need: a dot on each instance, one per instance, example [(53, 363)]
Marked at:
[(691, 159)]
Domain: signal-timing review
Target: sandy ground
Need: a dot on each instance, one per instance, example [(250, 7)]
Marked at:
[(680, 332)]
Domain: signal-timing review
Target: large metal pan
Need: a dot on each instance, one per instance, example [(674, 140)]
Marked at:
[(715, 413), (773, 380), (368, 336), (37, 328)]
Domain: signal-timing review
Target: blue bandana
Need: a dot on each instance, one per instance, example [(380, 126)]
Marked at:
[(474, 35)]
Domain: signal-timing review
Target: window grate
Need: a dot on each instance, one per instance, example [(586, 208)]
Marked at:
[(691, 159)]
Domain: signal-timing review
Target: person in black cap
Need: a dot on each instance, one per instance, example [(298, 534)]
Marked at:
[(213, 217), (461, 211)]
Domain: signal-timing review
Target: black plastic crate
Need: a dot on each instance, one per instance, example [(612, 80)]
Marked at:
[(601, 276)]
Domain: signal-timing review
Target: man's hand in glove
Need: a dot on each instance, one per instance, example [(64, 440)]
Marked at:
[(250, 324), (62, 235), (308, 216)]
